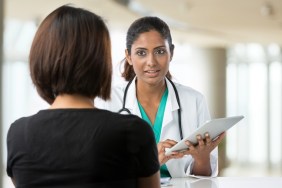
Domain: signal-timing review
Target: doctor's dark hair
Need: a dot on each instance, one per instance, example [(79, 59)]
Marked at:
[(71, 54), (139, 26)]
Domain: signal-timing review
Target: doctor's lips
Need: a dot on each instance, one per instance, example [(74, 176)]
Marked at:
[(151, 71)]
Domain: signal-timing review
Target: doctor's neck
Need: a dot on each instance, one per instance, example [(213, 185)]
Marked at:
[(150, 91)]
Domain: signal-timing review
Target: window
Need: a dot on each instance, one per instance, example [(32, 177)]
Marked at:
[(254, 89)]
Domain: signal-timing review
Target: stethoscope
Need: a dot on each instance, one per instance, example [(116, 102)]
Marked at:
[(123, 109)]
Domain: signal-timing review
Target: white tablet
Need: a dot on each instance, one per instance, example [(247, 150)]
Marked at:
[(214, 127)]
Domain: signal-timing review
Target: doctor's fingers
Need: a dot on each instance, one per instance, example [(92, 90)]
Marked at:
[(177, 155), (190, 148), (193, 147), (167, 143), (214, 143), (161, 148), (208, 139), (219, 139), (201, 142), (163, 158)]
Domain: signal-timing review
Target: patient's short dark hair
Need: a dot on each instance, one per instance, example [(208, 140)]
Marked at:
[(71, 54)]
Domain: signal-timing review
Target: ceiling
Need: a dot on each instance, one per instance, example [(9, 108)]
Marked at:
[(216, 23)]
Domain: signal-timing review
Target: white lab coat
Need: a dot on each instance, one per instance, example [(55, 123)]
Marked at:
[(194, 113)]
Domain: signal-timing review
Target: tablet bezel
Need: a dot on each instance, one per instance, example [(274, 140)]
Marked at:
[(214, 127)]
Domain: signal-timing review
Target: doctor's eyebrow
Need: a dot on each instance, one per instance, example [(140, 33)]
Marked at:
[(142, 48)]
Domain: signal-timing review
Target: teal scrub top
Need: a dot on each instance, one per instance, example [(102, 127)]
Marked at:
[(157, 127)]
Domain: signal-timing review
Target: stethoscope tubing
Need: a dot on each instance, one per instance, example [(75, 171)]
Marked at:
[(123, 109)]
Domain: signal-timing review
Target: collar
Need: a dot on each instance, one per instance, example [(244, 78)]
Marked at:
[(172, 96), (131, 100)]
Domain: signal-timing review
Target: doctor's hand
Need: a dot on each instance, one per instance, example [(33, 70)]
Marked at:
[(201, 151), (161, 151)]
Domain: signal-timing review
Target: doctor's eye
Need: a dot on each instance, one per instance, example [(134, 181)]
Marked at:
[(141, 53), (160, 51)]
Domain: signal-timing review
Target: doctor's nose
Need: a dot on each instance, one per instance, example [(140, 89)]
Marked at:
[(151, 61)]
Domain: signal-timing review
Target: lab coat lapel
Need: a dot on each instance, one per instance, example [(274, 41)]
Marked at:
[(171, 105)]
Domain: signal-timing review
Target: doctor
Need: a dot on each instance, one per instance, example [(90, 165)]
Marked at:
[(174, 111)]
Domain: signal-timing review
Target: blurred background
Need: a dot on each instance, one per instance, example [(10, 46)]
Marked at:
[(231, 51)]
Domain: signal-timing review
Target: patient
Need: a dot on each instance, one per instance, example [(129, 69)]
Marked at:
[(73, 144)]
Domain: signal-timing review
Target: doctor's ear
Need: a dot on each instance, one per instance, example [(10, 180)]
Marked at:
[(128, 57)]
